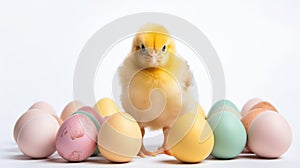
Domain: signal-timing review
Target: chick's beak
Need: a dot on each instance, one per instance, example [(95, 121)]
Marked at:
[(153, 55)]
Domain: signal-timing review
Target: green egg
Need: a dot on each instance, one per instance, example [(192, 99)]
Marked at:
[(95, 121), (224, 105), (229, 134)]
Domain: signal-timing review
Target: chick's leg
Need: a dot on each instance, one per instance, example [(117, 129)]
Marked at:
[(163, 149), (143, 152)]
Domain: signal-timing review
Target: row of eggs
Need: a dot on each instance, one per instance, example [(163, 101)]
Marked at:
[(82, 131)]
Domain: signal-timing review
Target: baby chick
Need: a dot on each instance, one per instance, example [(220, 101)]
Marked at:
[(153, 49)]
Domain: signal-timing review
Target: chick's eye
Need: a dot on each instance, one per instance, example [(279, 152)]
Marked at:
[(163, 48), (143, 48)]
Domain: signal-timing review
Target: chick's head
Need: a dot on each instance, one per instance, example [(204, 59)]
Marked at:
[(153, 46)]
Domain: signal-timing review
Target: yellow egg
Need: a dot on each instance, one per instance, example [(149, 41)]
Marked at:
[(190, 139), (200, 111), (120, 138), (106, 107)]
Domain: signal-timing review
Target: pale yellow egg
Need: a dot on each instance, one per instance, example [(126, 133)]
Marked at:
[(120, 138), (190, 139), (106, 107)]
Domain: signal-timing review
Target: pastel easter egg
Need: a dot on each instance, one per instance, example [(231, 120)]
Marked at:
[(120, 138), (36, 138), (269, 135), (229, 133), (190, 139), (76, 138), (224, 105), (70, 108), (249, 104)]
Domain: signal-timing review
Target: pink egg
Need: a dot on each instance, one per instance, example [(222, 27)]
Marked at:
[(93, 112), (43, 106), (23, 119), (76, 138), (70, 108), (36, 138), (247, 107), (269, 135), (46, 108)]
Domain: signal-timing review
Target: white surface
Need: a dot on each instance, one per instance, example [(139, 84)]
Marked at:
[(257, 42)]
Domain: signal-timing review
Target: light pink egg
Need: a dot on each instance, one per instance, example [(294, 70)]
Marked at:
[(70, 108), (46, 108), (24, 118), (76, 138), (43, 106), (251, 103), (269, 135), (36, 138), (93, 112)]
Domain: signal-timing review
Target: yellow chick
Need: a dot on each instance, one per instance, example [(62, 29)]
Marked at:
[(154, 64)]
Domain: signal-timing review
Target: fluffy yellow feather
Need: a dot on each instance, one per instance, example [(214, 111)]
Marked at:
[(155, 82)]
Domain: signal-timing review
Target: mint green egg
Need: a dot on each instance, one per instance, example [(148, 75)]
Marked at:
[(229, 134), (224, 105), (95, 121)]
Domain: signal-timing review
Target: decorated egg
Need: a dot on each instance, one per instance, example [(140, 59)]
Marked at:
[(95, 121), (92, 111), (190, 139), (76, 138), (120, 138), (229, 134)]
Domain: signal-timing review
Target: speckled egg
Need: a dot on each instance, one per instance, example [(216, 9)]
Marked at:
[(76, 138), (95, 121)]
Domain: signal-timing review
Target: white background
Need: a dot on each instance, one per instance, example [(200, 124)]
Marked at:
[(40, 41)]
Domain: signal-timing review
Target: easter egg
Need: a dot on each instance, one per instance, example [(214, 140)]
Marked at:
[(95, 121), (190, 139), (92, 111), (229, 133), (269, 135), (265, 105), (36, 138), (43, 106), (224, 105), (36, 109), (106, 107), (120, 138), (199, 110), (25, 118), (251, 115), (70, 108), (76, 138), (249, 104)]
